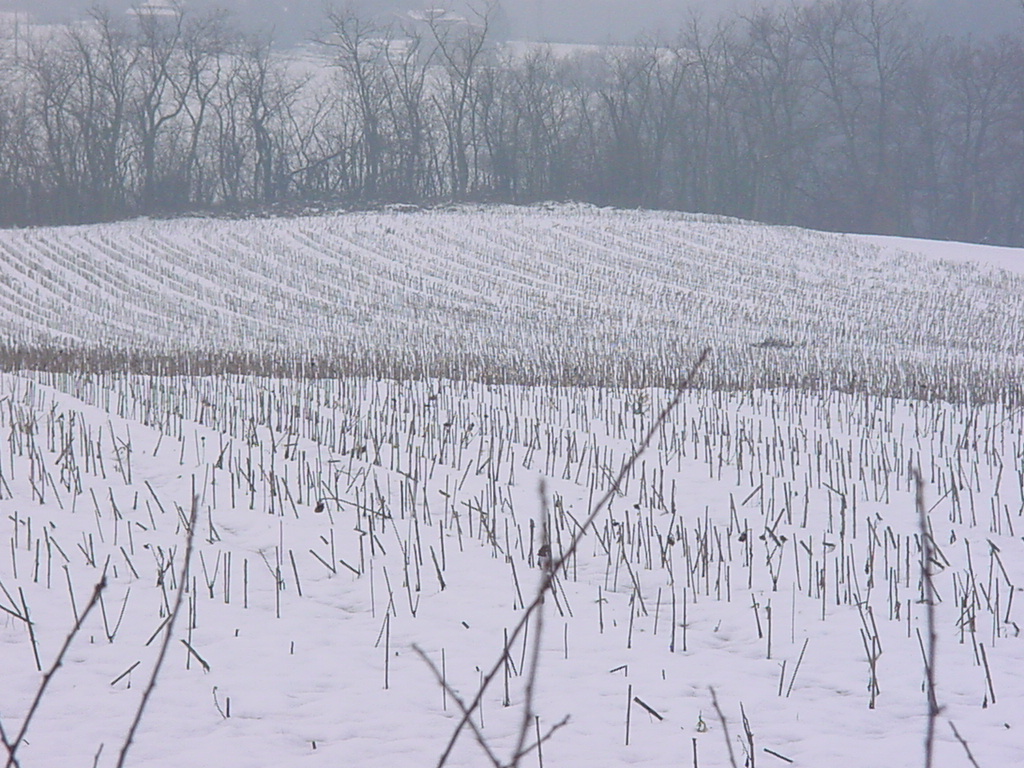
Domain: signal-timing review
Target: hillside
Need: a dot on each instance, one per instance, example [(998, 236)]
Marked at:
[(557, 294), (339, 566)]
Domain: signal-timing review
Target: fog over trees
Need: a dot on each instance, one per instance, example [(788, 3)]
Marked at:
[(845, 114), (563, 21)]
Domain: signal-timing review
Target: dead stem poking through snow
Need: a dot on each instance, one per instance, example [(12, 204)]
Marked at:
[(182, 581), (548, 579), (725, 727), (531, 678), (12, 746), (929, 601)]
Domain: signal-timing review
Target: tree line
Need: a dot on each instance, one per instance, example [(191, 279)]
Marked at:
[(835, 114)]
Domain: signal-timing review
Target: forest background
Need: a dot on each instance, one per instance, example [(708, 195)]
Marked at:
[(850, 115)]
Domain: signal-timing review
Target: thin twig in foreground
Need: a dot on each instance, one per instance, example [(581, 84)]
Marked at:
[(548, 579), (725, 726), (538, 628), (964, 744), (929, 601), (182, 581), (12, 747), (7, 745), (536, 745), (462, 705)]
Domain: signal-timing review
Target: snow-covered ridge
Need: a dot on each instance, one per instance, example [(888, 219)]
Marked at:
[(978, 254), (549, 292)]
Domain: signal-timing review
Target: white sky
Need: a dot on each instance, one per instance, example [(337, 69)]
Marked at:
[(553, 20)]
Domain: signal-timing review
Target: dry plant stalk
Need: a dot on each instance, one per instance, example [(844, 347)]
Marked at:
[(531, 679), (725, 727), (929, 600), (182, 582), (548, 579), (12, 746)]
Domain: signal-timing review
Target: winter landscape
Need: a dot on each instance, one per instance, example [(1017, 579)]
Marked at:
[(327, 440), (364, 542)]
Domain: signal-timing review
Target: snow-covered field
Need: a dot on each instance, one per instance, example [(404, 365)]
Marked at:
[(767, 545), (969, 254), (764, 542), (559, 294)]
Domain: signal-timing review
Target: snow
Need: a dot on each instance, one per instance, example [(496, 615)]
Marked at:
[(305, 676), (500, 290), (995, 256), (797, 500)]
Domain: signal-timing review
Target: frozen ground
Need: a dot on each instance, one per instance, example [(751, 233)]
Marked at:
[(547, 294), (994, 256), (997, 257), (766, 545)]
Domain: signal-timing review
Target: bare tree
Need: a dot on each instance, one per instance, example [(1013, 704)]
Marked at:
[(207, 44), (860, 49), (774, 89), (53, 77), (500, 119), (360, 51), (162, 90), (706, 140), (268, 94), (18, 133), (924, 124), (460, 47), (408, 62), (232, 144), (983, 81), (627, 99)]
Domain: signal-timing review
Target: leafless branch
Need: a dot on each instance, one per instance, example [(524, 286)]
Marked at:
[(964, 744), (551, 732), (929, 601), (725, 727), (548, 578), (462, 705), (182, 582), (12, 747)]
